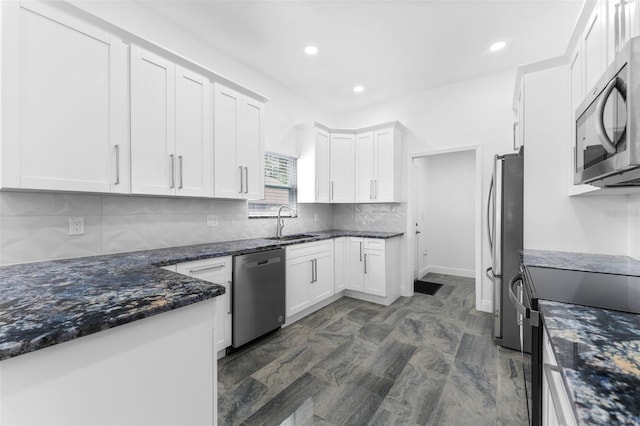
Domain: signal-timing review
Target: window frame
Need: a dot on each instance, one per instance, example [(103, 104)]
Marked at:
[(292, 212)]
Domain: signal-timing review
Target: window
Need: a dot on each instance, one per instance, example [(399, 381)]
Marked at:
[(280, 187)]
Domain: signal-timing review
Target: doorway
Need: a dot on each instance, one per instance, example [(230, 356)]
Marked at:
[(444, 213)]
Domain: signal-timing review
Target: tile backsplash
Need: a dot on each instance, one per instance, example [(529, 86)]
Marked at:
[(34, 225), (390, 217)]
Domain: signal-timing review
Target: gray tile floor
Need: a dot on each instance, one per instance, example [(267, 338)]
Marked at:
[(424, 360)]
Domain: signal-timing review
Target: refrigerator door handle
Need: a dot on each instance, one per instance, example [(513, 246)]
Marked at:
[(497, 218), (489, 230)]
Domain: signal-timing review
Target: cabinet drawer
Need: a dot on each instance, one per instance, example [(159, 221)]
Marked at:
[(305, 249), (209, 267), (374, 244)]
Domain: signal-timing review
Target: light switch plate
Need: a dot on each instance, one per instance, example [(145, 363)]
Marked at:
[(212, 220), (76, 225)]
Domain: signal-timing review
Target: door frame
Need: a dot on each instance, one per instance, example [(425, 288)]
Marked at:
[(412, 186)]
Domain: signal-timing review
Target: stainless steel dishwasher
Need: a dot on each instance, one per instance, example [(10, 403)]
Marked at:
[(258, 295)]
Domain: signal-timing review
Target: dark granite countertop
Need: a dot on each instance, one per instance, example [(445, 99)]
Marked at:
[(598, 352), (589, 262), (45, 303)]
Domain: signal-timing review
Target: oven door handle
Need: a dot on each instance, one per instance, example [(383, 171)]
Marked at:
[(532, 315), (522, 310)]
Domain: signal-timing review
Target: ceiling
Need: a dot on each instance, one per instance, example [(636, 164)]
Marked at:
[(392, 48)]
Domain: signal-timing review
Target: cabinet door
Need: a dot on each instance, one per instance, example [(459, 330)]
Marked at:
[(70, 93), (374, 273), (342, 168), (339, 263), (323, 285), (251, 146), (153, 159), (385, 165), (194, 139), (226, 136), (216, 271), (299, 277), (365, 189), (355, 264), (595, 47), (322, 166)]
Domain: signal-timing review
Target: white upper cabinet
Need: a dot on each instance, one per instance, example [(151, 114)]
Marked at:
[(313, 164), (171, 143), (379, 166), (65, 110), (365, 170), (622, 24), (595, 47), (342, 154), (238, 145), (194, 134)]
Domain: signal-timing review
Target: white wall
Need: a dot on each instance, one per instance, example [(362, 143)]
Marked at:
[(552, 220), (633, 215), (446, 213), (33, 226), (470, 112)]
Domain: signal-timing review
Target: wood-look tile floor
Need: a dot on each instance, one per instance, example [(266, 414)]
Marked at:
[(424, 360)]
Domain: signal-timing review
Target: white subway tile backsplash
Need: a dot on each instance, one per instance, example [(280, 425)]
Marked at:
[(37, 238), (48, 204), (33, 226)]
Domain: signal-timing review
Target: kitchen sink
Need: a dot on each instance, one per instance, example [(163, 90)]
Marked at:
[(292, 237)]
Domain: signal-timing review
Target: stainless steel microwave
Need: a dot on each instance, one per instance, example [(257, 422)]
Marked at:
[(607, 151)]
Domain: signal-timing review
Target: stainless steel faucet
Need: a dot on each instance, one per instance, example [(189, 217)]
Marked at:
[(280, 222)]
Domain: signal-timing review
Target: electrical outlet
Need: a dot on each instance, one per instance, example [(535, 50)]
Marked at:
[(76, 225), (212, 220)]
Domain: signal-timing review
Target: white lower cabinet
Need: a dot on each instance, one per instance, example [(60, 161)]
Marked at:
[(309, 275), (556, 406), (216, 270), (372, 268), (339, 264)]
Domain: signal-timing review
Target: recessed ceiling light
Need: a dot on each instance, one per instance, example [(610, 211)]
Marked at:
[(498, 45), (358, 89), (311, 50)]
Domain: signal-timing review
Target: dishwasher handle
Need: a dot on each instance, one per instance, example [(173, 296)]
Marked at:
[(263, 262)]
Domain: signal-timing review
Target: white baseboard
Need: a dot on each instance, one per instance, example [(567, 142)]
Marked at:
[(469, 273)]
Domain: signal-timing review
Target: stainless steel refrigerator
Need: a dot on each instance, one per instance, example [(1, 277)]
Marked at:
[(504, 217)]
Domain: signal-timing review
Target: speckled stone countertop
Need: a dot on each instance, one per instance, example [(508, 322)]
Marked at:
[(621, 265), (46, 303), (598, 352)]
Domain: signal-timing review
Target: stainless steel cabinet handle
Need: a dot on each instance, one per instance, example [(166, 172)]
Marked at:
[(361, 250), (515, 127), (312, 271), (246, 180), (173, 171), (371, 189), (117, 182), (365, 263), (206, 268), (376, 189), (181, 167), (315, 270), (241, 186), (332, 190)]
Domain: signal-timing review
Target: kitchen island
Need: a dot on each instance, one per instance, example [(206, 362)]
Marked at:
[(115, 339)]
